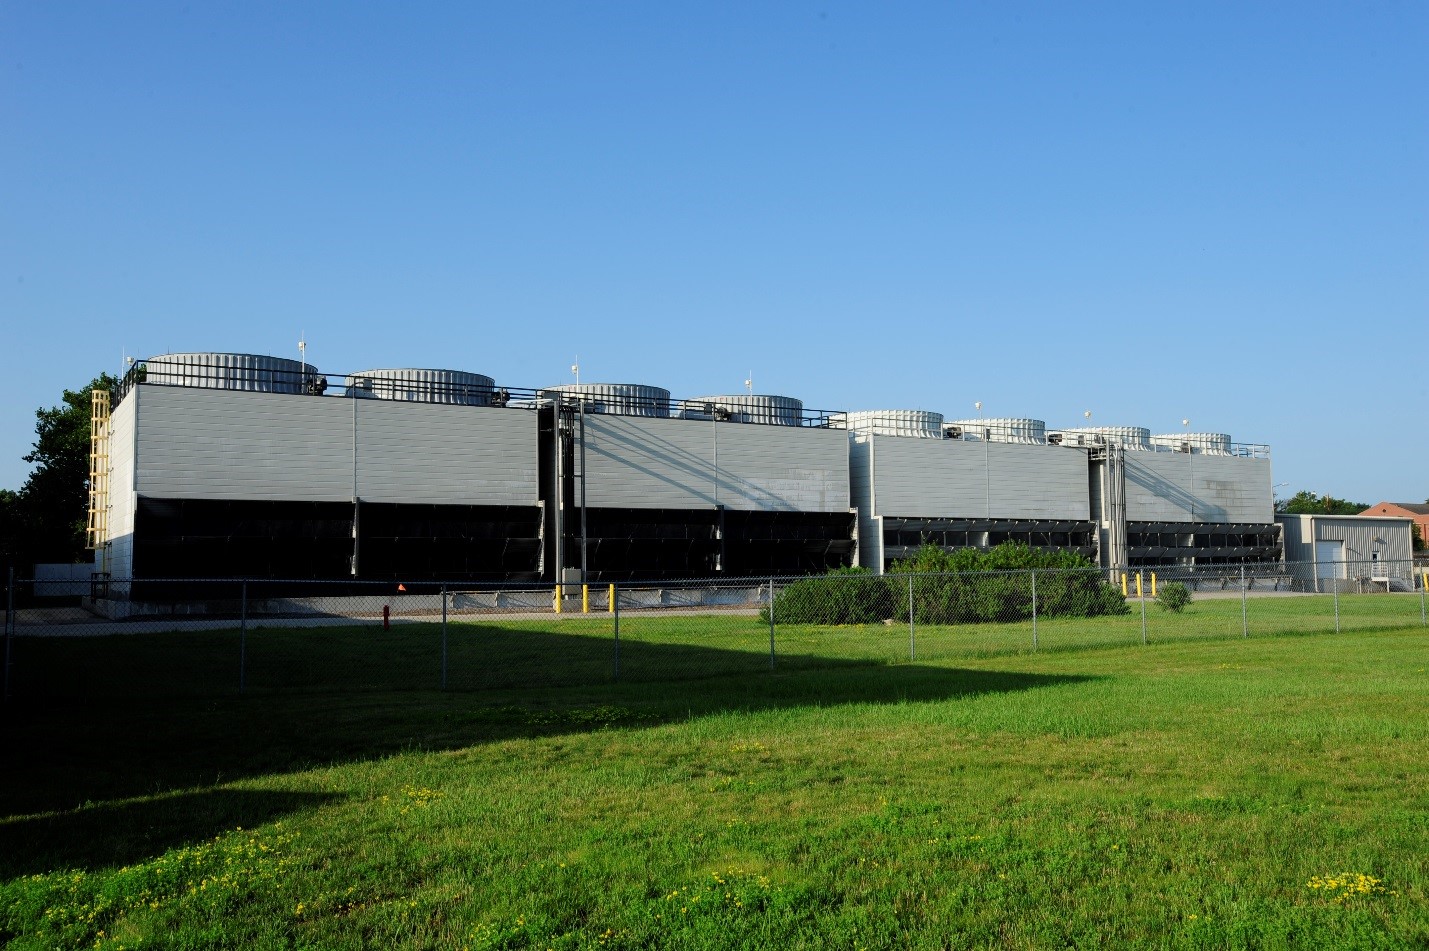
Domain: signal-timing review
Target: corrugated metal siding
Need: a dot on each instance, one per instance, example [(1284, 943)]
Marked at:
[(1359, 533), (216, 444), (635, 462), (121, 467), (783, 468), (119, 561), (1185, 487), (441, 454), (1037, 482), (924, 478)]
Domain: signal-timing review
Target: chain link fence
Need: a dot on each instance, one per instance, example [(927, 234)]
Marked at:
[(136, 638)]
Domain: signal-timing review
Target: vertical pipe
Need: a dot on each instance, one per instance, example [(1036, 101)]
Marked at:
[(243, 637), (558, 502), (1033, 573), (585, 607), (1143, 607), (444, 637), (912, 636), (771, 623), (1244, 623), (356, 499), (9, 624), (615, 602), (356, 534)]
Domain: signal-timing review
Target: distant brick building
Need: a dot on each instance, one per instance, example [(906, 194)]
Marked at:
[(1420, 514)]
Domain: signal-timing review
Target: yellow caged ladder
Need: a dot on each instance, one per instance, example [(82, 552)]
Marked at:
[(98, 532)]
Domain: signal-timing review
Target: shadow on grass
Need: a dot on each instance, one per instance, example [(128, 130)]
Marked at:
[(65, 752), (124, 833)]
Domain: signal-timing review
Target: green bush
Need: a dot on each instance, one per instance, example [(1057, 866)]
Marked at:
[(1173, 596), (965, 586), (843, 596), (972, 585)]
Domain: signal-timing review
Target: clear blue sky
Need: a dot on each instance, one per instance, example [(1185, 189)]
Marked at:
[(1152, 211)]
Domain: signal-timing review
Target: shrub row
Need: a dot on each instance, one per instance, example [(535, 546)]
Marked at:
[(966, 586)]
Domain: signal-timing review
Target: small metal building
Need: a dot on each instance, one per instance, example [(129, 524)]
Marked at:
[(1351, 552)]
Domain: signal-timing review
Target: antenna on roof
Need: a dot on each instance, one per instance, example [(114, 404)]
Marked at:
[(576, 369), (303, 346), (749, 383)]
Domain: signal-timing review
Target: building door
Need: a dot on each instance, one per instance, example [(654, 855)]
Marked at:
[(1329, 559)]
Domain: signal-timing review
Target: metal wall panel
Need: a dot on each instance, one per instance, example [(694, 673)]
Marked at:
[(636, 462), (1363, 535), (119, 560), (1187, 487), (950, 478), (445, 455), (217, 444), (1293, 532), (783, 468)]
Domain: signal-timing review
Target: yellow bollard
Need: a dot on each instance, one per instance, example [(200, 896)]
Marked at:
[(1138, 584), (1153, 584), (1123, 584), (585, 599), (558, 599), (610, 600)]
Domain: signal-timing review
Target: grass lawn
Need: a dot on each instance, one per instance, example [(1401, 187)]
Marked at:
[(1202, 791)]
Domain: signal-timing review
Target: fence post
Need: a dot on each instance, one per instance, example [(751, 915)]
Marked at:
[(1140, 597), (243, 637), (771, 623), (1423, 619), (912, 635), (1336, 589), (444, 637), (1244, 622), (615, 610), (1033, 573), (9, 625)]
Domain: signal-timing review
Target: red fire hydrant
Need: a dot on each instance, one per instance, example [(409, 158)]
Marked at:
[(386, 617)]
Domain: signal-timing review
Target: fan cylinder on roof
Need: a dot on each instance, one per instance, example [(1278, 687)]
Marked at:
[(422, 386), (916, 423), (1128, 437), (1212, 444), (1002, 429), (232, 371), (619, 399), (749, 408)]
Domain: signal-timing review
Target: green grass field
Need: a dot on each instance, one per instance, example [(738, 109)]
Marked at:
[(1202, 791)]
